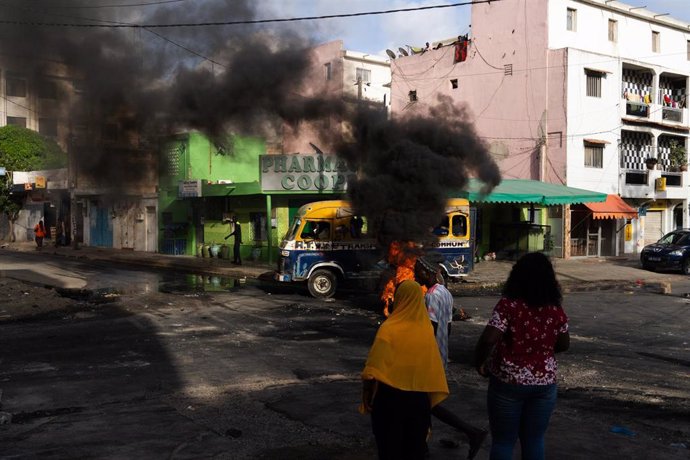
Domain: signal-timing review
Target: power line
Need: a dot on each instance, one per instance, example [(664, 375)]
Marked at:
[(162, 37), (74, 7), (243, 22), (184, 47)]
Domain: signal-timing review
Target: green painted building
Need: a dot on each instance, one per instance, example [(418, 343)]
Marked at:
[(202, 185)]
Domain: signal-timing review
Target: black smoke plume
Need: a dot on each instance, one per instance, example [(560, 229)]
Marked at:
[(141, 85), (410, 166)]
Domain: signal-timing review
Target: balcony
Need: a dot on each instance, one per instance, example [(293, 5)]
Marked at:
[(636, 109), (671, 114), (653, 184)]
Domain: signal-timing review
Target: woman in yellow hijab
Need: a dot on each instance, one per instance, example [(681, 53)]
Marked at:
[(403, 377)]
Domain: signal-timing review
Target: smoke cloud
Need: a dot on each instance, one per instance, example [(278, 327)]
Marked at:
[(240, 79), (410, 166)]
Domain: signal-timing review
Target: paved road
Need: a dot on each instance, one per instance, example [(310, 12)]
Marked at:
[(208, 370)]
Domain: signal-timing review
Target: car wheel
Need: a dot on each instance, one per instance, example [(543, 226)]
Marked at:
[(686, 266), (648, 266), (322, 283)]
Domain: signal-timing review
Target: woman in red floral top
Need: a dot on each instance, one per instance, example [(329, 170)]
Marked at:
[(516, 350)]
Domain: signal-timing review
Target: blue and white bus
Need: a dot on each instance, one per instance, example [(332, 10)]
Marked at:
[(328, 242)]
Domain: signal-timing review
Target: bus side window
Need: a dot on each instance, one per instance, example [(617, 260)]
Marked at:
[(442, 228), (459, 225), (341, 232), (322, 231)]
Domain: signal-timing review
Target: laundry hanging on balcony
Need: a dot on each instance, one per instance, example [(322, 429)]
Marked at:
[(461, 48)]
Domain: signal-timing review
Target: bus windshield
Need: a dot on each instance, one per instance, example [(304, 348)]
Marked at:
[(292, 233)]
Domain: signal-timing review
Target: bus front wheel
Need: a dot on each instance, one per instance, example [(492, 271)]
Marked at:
[(322, 283)]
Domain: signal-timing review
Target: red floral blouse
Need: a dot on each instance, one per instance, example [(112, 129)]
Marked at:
[(524, 355)]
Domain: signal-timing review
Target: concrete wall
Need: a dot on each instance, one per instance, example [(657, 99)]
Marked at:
[(634, 32), (593, 118), (506, 85), (32, 107), (342, 84)]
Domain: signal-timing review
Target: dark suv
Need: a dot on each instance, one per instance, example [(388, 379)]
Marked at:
[(671, 252)]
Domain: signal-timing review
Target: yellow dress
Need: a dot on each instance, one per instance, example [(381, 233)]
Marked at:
[(405, 354)]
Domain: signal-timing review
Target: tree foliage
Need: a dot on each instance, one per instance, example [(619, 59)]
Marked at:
[(22, 149)]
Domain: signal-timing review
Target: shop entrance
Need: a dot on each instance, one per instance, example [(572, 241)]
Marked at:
[(591, 237)]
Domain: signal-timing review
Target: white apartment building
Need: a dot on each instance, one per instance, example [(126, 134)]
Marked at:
[(36, 94), (40, 94), (627, 84)]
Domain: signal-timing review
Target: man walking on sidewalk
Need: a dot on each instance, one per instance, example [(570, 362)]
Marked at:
[(237, 231)]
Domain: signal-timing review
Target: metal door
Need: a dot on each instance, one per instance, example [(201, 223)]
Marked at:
[(652, 227), (151, 229), (101, 227)]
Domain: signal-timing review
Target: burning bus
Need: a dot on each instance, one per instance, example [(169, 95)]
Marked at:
[(328, 242)]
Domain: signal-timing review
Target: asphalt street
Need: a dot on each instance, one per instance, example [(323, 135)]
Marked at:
[(120, 363)]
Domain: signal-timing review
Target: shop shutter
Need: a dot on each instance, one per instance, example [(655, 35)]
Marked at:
[(652, 227)]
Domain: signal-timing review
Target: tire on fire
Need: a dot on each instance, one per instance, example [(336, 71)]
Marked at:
[(322, 283)]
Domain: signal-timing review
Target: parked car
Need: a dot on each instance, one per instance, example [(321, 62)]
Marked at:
[(671, 252)]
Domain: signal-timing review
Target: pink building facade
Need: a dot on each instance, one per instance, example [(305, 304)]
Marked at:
[(573, 92)]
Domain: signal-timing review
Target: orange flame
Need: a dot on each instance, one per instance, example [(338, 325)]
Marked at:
[(402, 256)]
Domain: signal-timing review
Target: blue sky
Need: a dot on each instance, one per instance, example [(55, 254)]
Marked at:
[(373, 34)]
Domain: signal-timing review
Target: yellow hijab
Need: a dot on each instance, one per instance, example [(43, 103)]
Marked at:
[(405, 354)]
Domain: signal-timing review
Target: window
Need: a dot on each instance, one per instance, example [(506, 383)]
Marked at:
[(363, 75), (613, 30), (48, 127), (459, 225), (413, 96), (78, 86), (593, 83), (688, 50), (594, 155), (655, 42), (15, 87), (454, 83), (17, 121), (47, 89), (258, 220), (571, 19), (316, 230), (328, 68)]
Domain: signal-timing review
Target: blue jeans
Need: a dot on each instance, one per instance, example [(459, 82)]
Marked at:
[(519, 411)]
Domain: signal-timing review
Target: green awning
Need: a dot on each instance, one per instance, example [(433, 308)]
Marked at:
[(530, 191), (240, 188)]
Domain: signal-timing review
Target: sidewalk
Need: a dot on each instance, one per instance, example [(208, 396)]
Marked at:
[(210, 266), (582, 274), (487, 277)]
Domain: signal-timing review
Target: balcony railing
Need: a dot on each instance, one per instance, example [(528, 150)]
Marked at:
[(673, 179), (672, 114), (636, 178), (638, 109)]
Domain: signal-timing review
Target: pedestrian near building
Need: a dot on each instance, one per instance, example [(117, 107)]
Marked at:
[(516, 351), (403, 378), (439, 305), (237, 232), (60, 233), (40, 232)]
